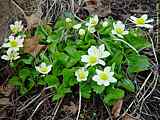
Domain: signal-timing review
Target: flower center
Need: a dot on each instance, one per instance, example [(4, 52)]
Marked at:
[(93, 22), (44, 69), (92, 59), (13, 43), (119, 30), (140, 21), (103, 76), (81, 75)]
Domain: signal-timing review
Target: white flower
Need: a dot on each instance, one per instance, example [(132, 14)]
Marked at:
[(82, 32), (93, 21), (105, 23), (11, 55), (16, 27), (142, 21), (43, 68), (104, 77), (91, 29), (68, 20), (81, 74), (95, 55), (119, 29), (77, 26), (14, 42)]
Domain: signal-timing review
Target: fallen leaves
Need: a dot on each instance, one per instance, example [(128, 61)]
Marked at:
[(100, 7), (32, 46), (72, 108), (33, 21), (129, 117), (117, 109)]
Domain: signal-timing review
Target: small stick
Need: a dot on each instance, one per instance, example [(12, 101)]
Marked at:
[(79, 108), (55, 112), (22, 11)]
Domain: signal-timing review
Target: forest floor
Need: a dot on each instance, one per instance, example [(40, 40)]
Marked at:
[(14, 107)]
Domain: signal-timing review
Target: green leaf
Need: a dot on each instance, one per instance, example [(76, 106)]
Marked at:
[(41, 81), (40, 31), (69, 77), (112, 95), (15, 81), (127, 84), (27, 60), (137, 39), (30, 84), (97, 88), (60, 92), (73, 52), (61, 58), (116, 58), (138, 63), (52, 80), (23, 90), (24, 73), (71, 62), (85, 90)]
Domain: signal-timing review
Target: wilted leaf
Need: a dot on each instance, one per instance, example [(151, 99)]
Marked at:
[(6, 90), (33, 20), (117, 108), (98, 6), (129, 117), (72, 108), (4, 101), (32, 46)]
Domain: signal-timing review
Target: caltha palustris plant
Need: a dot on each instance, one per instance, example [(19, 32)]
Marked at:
[(96, 56)]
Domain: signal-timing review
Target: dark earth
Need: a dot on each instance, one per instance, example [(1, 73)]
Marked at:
[(93, 109)]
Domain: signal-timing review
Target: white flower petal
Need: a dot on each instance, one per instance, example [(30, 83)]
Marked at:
[(145, 17), (92, 50), (84, 58), (77, 26), (133, 18), (101, 62), (101, 47), (107, 69), (4, 57), (148, 26), (125, 33), (149, 21)]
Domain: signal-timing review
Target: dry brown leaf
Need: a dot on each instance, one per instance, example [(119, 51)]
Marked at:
[(100, 7), (129, 117), (33, 20), (6, 90), (32, 46), (117, 108), (72, 108)]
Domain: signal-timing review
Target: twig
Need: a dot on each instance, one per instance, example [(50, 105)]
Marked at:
[(22, 11), (57, 107), (30, 118), (136, 95), (50, 9), (79, 108), (110, 116)]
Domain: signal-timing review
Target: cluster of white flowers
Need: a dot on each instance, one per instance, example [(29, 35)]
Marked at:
[(14, 42), (119, 29), (94, 57)]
